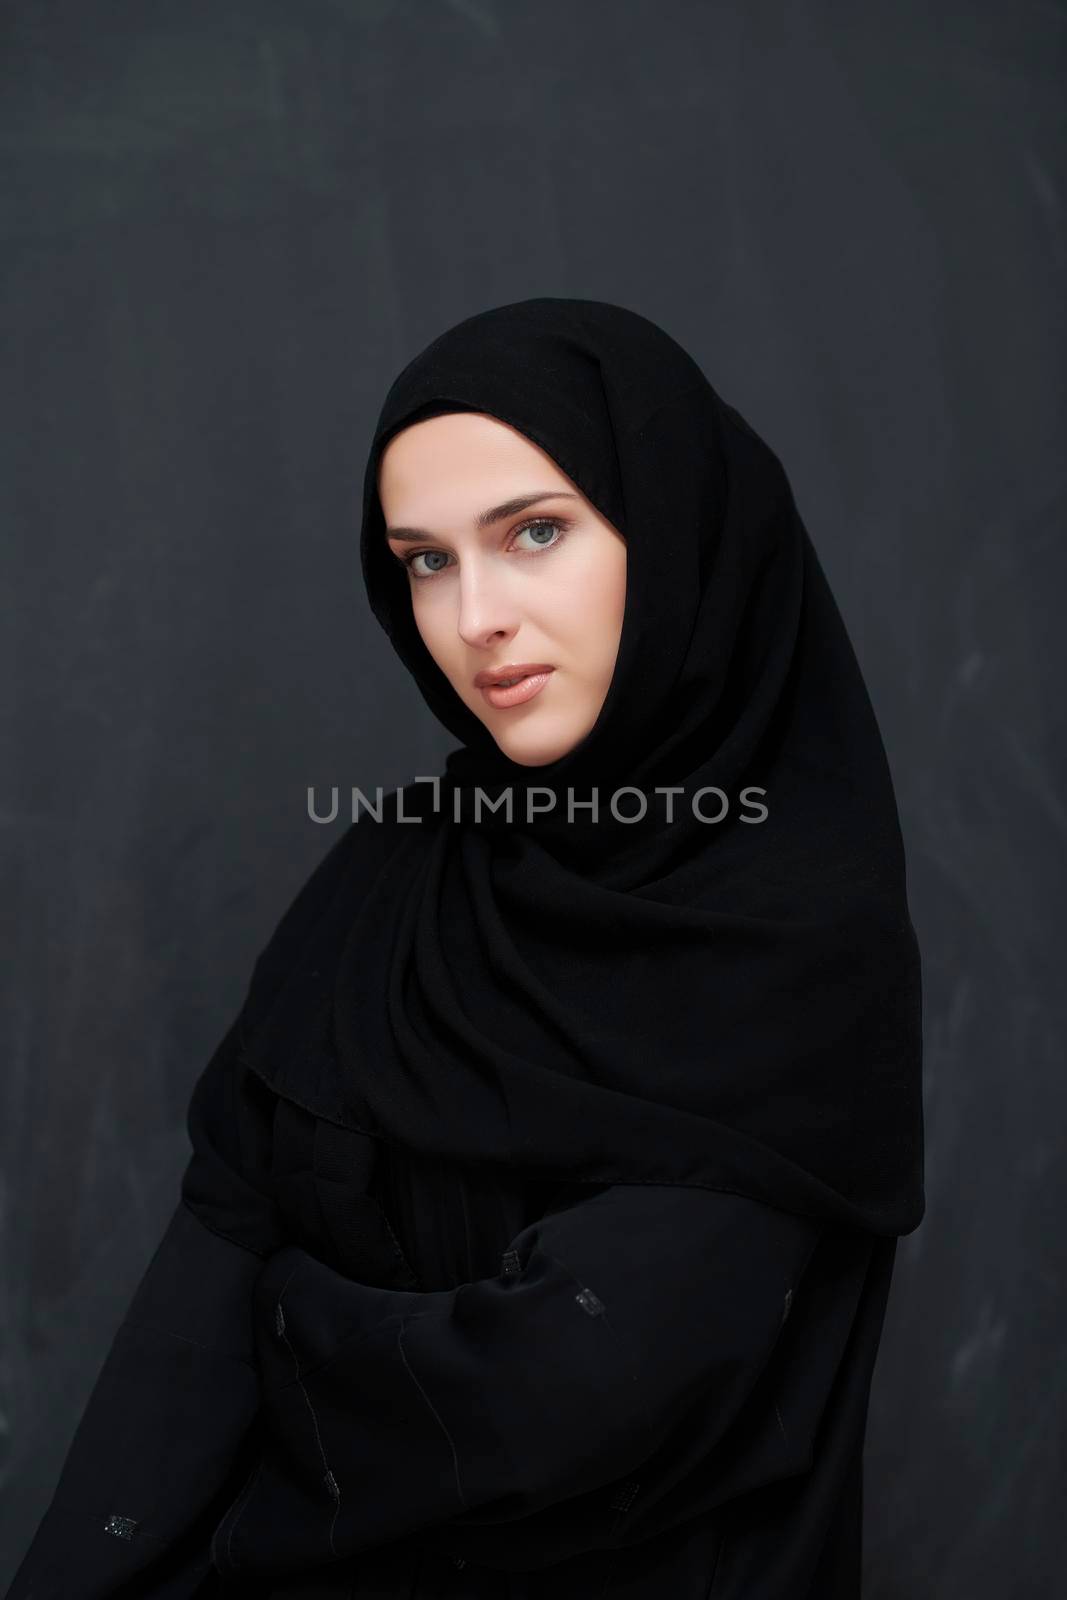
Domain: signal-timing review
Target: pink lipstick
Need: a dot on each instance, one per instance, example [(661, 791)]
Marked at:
[(513, 685)]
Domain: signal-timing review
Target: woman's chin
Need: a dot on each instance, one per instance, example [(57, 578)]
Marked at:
[(532, 747)]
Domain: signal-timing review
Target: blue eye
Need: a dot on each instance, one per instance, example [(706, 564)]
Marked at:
[(428, 554), (541, 523), (553, 526)]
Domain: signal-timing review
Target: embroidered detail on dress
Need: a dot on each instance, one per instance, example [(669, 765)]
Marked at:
[(625, 1497), (590, 1303), (121, 1527)]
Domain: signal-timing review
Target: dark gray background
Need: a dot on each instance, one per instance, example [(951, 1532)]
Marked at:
[(225, 227)]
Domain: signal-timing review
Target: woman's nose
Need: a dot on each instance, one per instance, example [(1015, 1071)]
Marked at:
[(486, 609)]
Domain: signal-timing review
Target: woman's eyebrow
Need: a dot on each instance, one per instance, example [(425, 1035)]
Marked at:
[(485, 519)]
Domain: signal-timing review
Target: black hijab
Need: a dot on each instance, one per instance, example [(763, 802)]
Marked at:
[(732, 1004)]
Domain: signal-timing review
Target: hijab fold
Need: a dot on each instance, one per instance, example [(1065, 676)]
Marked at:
[(732, 1004)]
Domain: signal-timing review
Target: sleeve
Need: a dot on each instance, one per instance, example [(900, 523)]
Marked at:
[(162, 1443), (633, 1323), (168, 1431)]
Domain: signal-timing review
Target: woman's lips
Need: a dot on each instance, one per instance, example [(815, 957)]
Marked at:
[(519, 692)]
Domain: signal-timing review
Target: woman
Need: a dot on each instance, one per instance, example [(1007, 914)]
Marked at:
[(545, 1192)]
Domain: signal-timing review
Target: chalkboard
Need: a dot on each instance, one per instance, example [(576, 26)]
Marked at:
[(225, 226)]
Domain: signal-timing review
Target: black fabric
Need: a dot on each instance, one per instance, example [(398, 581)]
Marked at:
[(692, 1425), (513, 1407), (166, 1439), (734, 1004)]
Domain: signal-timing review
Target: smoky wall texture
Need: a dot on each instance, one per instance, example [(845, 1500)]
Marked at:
[(224, 227)]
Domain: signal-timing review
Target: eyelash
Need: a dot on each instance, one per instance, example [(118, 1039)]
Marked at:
[(560, 526)]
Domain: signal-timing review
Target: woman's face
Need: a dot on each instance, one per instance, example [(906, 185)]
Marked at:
[(499, 581)]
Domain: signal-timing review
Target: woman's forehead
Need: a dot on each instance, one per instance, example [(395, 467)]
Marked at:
[(457, 455)]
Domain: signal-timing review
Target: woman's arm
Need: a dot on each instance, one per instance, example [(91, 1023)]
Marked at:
[(612, 1325), (148, 1472), (162, 1444)]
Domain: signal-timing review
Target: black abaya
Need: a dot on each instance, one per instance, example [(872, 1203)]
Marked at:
[(410, 1378)]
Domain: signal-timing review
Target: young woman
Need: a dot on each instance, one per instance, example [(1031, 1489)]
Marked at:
[(545, 1192)]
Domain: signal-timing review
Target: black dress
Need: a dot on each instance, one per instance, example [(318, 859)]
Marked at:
[(358, 1373)]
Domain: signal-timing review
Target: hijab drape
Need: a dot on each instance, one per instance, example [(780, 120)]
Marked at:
[(733, 1004)]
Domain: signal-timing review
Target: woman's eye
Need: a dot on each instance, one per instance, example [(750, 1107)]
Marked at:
[(540, 526), (537, 530), (425, 555)]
